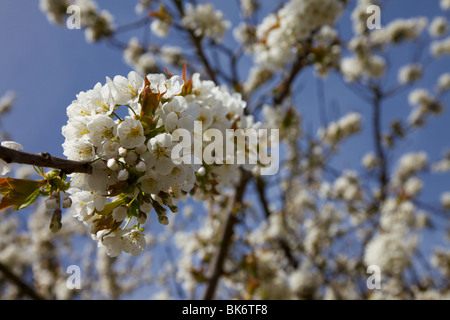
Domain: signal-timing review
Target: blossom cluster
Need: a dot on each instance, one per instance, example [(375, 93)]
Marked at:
[(54, 9), (204, 20), (338, 130), (97, 24), (279, 34), (6, 101), (139, 58), (134, 170), (364, 63), (425, 104)]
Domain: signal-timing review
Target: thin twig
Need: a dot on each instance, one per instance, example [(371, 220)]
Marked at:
[(383, 176), (226, 236), (133, 25), (197, 43), (285, 86)]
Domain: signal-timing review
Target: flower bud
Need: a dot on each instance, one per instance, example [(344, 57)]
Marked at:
[(51, 175), (112, 164), (142, 217), (122, 152), (146, 207), (141, 166), (202, 171), (123, 175), (52, 202), (55, 221), (163, 220), (66, 203)]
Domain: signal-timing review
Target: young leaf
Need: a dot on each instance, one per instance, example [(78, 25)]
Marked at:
[(19, 193), (109, 207)]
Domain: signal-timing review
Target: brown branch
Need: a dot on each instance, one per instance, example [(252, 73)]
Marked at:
[(285, 86), (231, 220), (226, 236), (379, 142), (44, 160), (197, 43), (23, 287), (261, 189), (284, 245)]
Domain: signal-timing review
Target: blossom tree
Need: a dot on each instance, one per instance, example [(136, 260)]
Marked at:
[(135, 202)]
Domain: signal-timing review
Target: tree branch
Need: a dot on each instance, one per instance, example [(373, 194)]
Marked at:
[(227, 235), (45, 160), (284, 245), (24, 288), (197, 43), (379, 142), (285, 86)]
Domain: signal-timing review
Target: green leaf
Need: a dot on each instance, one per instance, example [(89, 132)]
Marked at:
[(109, 207), (134, 208), (19, 193), (33, 196), (154, 132)]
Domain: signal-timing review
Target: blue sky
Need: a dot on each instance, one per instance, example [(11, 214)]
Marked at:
[(46, 66)]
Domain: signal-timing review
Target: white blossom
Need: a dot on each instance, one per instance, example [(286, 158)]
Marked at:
[(100, 127), (390, 252), (440, 48), (130, 133), (161, 149), (341, 129), (444, 82), (409, 164), (55, 10), (160, 28), (4, 166), (438, 27), (133, 242), (409, 73), (445, 4), (205, 21), (445, 200), (370, 161), (6, 101)]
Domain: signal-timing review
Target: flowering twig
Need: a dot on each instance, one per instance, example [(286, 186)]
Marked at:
[(285, 86), (225, 239), (44, 160), (197, 44), (284, 245), (383, 176)]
